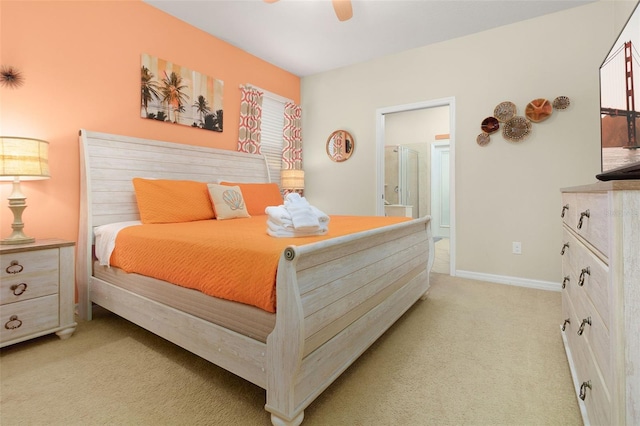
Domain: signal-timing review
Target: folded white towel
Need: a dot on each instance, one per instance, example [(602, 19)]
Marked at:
[(323, 218), (294, 198), (296, 218), (279, 215), (302, 215), (281, 232)]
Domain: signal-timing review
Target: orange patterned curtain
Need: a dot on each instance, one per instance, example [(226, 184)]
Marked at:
[(250, 120), (292, 137)]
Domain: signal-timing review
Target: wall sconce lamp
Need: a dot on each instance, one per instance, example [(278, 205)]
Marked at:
[(291, 179), (21, 159)]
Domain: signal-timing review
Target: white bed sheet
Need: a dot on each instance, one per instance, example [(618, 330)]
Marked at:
[(105, 239)]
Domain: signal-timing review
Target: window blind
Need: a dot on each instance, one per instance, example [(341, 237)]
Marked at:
[(271, 140)]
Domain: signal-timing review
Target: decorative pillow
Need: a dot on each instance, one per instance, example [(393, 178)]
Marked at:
[(227, 201), (258, 196), (172, 201)]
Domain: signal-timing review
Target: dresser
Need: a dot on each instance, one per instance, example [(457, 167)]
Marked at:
[(601, 299), (37, 290)]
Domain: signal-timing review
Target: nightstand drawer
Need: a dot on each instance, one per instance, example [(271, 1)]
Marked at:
[(28, 317), (28, 275)]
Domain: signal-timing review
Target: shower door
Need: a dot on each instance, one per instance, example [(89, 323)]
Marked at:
[(402, 182)]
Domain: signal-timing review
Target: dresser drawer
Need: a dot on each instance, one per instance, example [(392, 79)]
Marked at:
[(28, 317), (594, 335), (592, 216), (28, 275), (587, 375), (587, 274)]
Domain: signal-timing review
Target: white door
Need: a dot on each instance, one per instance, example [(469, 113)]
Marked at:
[(440, 212)]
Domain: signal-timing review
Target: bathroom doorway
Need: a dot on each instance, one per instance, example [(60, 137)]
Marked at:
[(402, 189), (419, 128)]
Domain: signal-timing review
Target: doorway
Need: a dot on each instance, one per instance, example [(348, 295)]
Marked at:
[(440, 191), (413, 136)]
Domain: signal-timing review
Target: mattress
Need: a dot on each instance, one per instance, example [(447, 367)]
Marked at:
[(242, 318), (230, 259)]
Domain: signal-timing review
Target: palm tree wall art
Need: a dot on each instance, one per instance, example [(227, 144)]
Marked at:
[(175, 94)]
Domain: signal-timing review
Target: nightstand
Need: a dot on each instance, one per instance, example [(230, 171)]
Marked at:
[(37, 290)]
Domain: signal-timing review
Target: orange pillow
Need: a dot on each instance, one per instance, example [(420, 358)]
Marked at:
[(172, 201), (258, 196)]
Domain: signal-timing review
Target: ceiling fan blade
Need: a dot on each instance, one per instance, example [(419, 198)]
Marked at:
[(343, 9)]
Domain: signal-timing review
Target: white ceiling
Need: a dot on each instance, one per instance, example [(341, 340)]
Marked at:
[(304, 37)]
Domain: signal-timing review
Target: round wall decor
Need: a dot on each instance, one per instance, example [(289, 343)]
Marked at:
[(516, 129), (340, 145), (538, 110), (504, 111)]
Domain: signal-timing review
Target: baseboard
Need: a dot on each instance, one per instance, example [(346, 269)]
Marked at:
[(503, 279)]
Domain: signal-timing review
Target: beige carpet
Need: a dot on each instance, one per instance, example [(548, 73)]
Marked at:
[(442, 257), (473, 353)]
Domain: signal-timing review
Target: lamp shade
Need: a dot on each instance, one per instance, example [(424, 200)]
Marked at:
[(25, 158), (292, 179)]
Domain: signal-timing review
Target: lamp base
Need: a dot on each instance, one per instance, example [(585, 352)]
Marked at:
[(17, 205), (18, 239)]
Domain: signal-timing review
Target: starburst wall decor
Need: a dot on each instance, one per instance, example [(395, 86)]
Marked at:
[(10, 77)]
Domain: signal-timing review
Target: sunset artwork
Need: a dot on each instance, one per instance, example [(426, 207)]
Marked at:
[(619, 103), (174, 94)]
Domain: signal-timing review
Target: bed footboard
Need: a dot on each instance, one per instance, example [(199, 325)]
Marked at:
[(335, 298)]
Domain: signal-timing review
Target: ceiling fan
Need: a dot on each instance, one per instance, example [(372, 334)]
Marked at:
[(342, 8)]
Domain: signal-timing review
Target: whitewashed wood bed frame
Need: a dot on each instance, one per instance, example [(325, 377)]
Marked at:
[(335, 297)]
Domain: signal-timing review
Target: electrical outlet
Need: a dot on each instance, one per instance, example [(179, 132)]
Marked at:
[(516, 247)]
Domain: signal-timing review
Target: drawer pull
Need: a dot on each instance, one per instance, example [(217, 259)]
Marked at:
[(584, 322), (13, 323), (585, 271), (565, 281), (564, 208), (582, 216), (18, 289), (564, 325), (564, 247), (14, 268), (583, 389)]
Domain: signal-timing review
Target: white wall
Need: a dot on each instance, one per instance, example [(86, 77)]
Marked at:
[(505, 191)]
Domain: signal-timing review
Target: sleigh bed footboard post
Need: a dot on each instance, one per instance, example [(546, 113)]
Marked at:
[(285, 346)]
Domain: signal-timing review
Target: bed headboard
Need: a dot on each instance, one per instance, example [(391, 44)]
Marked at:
[(108, 163)]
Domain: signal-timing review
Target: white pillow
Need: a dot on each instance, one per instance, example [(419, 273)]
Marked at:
[(228, 201)]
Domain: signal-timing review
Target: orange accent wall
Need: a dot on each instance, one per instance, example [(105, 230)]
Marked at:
[(81, 64)]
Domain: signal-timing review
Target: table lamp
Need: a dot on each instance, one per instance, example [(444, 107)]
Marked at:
[(21, 159), (292, 180)]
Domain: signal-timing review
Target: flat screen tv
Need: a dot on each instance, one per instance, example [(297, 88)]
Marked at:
[(620, 104)]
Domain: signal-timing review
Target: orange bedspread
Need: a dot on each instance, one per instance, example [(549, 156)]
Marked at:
[(232, 259)]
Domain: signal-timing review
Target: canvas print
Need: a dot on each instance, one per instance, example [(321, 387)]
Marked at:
[(175, 94)]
